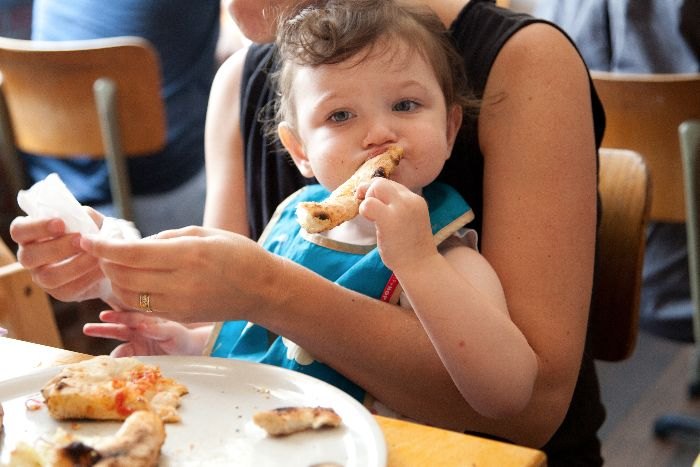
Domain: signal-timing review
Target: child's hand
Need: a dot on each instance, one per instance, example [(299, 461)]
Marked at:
[(404, 237), (145, 334)]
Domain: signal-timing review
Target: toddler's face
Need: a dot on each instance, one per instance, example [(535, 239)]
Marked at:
[(348, 112)]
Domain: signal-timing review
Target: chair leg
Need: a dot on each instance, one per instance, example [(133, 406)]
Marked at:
[(694, 384), (675, 424)]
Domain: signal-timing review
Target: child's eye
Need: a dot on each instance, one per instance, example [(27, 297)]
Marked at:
[(406, 106), (340, 116)]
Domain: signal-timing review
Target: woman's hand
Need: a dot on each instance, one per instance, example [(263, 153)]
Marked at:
[(192, 274), (404, 237), (54, 258), (145, 334)]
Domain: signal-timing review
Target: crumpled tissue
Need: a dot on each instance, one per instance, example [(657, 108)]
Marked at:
[(51, 198)]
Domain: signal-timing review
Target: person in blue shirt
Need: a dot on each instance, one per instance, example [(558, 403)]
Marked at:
[(169, 187), (15, 18)]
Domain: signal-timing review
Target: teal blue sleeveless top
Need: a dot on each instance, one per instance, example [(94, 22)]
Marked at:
[(356, 267)]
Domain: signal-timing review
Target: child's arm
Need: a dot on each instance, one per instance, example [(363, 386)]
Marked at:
[(459, 300)]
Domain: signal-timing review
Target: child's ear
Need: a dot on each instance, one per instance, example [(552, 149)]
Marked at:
[(454, 123), (291, 142)]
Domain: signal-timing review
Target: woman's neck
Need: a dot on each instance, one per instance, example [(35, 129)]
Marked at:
[(447, 10)]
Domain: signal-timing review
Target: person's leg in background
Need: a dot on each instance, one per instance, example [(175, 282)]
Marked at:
[(666, 308)]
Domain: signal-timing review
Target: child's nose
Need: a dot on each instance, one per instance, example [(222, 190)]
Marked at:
[(379, 131)]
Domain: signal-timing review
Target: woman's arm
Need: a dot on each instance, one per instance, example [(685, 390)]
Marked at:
[(539, 217), (225, 206), (199, 274)]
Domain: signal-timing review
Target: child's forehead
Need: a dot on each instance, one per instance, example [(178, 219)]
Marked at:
[(388, 70), (388, 53)]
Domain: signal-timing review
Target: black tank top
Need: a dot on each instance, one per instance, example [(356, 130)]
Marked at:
[(479, 32)]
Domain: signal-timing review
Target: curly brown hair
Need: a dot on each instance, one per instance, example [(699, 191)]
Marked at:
[(333, 31)]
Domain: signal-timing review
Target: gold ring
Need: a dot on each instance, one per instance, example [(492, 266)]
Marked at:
[(145, 302)]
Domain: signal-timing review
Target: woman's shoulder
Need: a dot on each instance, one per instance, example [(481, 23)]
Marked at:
[(479, 31), (497, 38), (482, 31)]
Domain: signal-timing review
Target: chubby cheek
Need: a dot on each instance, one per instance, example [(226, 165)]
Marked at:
[(423, 163), (415, 176), (331, 157), (331, 167)]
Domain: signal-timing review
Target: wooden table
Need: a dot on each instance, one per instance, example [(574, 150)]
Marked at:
[(408, 444)]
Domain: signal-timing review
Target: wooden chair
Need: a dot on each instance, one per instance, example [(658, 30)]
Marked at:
[(643, 112), (625, 193), (25, 309), (98, 98)]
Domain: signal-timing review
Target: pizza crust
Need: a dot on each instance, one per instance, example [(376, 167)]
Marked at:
[(106, 388), (137, 443), (287, 420), (343, 204)]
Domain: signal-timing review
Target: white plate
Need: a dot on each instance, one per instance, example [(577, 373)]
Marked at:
[(216, 426)]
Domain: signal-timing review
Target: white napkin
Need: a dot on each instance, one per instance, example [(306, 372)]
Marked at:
[(51, 198)]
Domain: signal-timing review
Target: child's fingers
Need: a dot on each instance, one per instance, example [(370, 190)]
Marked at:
[(361, 190), (372, 209), (108, 331), (132, 319), (160, 331)]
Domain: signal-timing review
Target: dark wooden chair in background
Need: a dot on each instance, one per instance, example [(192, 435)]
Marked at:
[(625, 193)]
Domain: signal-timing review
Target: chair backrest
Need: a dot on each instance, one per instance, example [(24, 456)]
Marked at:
[(25, 309), (625, 193), (690, 149), (97, 98), (643, 112)]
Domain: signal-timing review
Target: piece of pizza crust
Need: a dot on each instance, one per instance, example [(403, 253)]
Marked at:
[(106, 388), (342, 204), (137, 443), (287, 420)]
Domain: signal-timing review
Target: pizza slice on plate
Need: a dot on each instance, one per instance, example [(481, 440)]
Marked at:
[(106, 388), (288, 420), (136, 444)]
